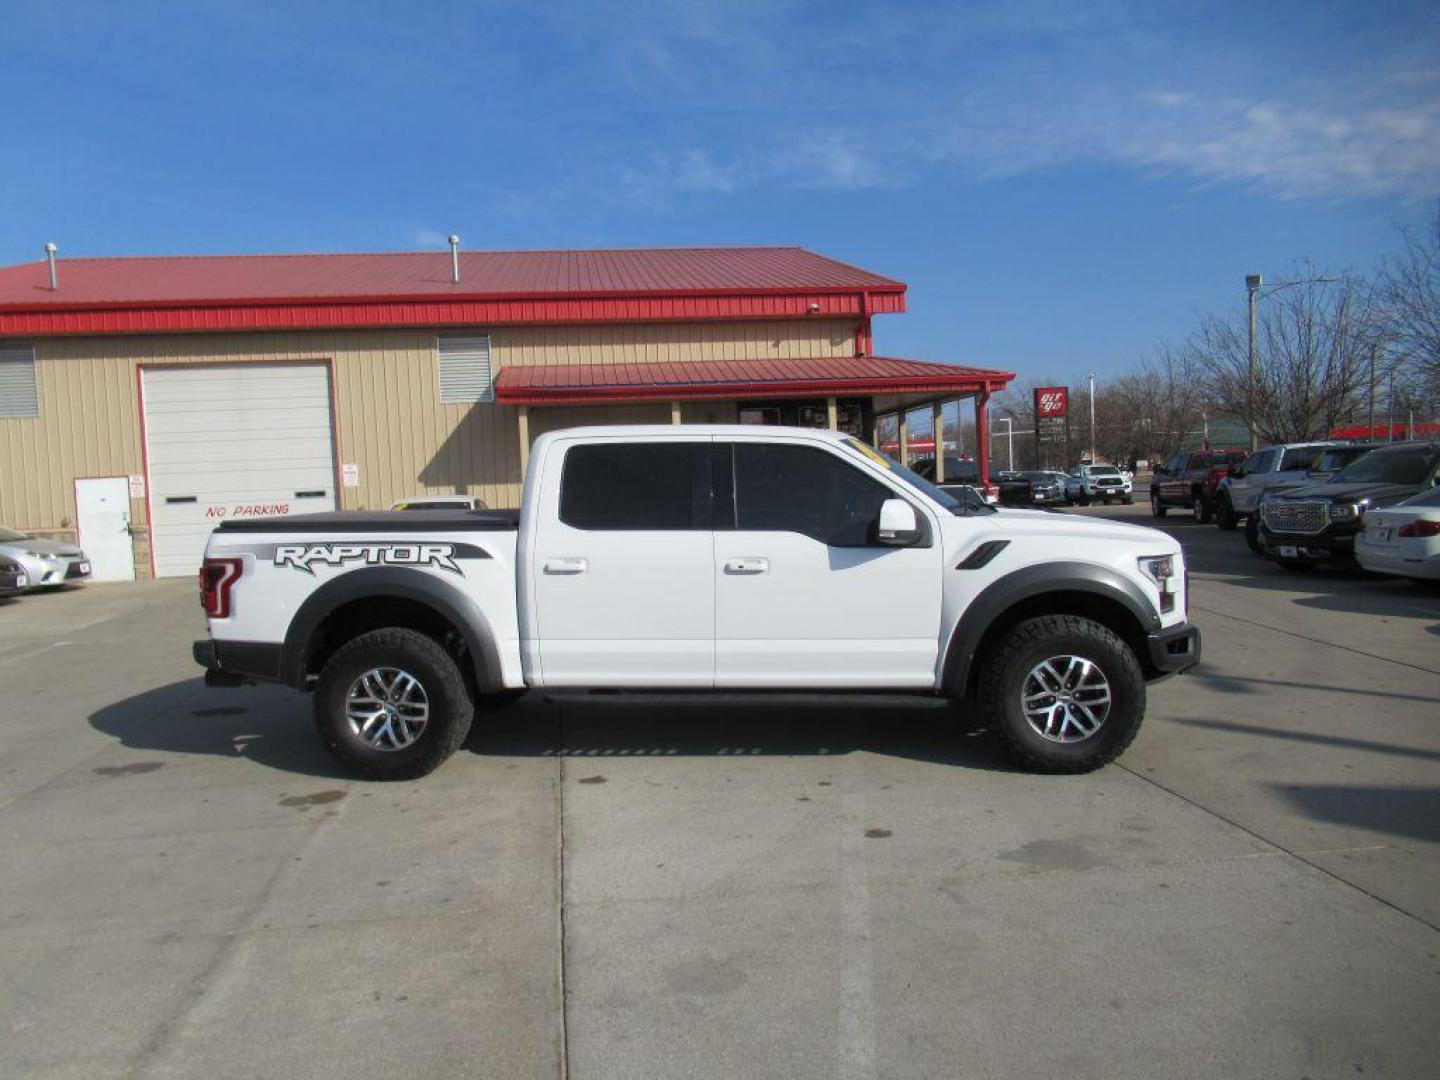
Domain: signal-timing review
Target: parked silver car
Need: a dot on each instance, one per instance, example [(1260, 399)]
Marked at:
[(12, 578), (45, 563)]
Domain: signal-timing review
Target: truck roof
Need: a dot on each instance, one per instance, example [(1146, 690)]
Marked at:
[(683, 431)]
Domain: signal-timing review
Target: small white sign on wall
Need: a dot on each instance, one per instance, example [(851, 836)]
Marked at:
[(137, 487), (350, 476)]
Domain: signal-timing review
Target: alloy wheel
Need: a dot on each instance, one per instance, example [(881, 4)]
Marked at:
[(1065, 698), (387, 708)]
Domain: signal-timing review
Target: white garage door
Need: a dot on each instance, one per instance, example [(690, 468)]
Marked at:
[(240, 440)]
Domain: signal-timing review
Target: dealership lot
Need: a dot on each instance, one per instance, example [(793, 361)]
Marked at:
[(636, 886)]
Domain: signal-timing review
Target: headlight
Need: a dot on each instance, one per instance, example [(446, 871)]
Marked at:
[(1161, 570), (1347, 511), (38, 555)]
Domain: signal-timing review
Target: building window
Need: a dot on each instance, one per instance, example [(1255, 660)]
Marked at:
[(18, 398), (465, 370)]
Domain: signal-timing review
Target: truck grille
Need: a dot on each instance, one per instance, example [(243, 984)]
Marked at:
[(1295, 517)]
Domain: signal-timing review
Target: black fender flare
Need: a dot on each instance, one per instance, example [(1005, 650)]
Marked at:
[(1004, 593), (393, 581)]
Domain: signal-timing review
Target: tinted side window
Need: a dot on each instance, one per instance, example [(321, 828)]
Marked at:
[(639, 486), (1298, 458), (800, 489)]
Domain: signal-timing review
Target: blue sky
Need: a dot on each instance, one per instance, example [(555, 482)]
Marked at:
[(1062, 185)]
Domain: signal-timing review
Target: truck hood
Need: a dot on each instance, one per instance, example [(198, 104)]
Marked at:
[(1008, 522), (1377, 494)]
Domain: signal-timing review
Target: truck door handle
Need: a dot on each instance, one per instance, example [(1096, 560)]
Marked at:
[(751, 565), (565, 566)]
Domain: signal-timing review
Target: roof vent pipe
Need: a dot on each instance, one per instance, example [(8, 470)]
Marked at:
[(50, 250), (455, 258)]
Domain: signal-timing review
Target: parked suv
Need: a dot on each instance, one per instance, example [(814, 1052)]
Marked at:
[(1284, 464), (1327, 460), (1088, 483), (1191, 479), (1308, 525), (1035, 488)]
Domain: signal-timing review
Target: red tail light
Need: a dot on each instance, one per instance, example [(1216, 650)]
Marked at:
[(217, 577), (1419, 528)]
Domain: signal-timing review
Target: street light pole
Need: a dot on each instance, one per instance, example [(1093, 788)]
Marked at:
[(1092, 418), (1009, 438), (1253, 282)]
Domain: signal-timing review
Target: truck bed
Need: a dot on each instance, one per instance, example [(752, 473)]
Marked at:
[(380, 521)]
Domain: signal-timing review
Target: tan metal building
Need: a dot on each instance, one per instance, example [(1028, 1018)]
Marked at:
[(154, 397)]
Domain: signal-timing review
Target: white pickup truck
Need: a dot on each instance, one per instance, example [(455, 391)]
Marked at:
[(698, 557)]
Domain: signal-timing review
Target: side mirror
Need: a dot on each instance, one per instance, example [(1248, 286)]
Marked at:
[(1237, 472), (898, 525)]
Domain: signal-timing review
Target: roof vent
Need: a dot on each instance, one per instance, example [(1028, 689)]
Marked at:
[(455, 258), (50, 250)]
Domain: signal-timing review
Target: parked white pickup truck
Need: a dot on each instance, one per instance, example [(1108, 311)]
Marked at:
[(729, 558)]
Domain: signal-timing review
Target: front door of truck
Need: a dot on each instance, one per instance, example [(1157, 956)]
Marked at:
[(805, 595), (621, 573)]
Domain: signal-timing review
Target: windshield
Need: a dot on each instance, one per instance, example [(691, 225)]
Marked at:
[(9, 536), (1334, 460), (1411, 465), (915, 480), (1104, 470)]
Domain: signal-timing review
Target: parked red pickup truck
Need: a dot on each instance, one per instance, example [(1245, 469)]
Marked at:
[(1191, 479)]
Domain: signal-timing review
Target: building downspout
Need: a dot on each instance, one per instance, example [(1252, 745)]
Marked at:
[(863, 342), (982, 437)]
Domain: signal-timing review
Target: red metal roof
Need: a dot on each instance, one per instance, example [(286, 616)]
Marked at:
[(277, 292), (715, 379), (215, 279)]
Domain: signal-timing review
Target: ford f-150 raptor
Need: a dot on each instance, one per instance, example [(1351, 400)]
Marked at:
[(728, 558)]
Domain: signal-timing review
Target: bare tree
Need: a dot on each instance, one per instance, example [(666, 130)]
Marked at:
[(1148, 411), (1313, 346), (1410, 290)]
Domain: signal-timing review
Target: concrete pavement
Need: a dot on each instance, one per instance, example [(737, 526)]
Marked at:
[(637, 887)]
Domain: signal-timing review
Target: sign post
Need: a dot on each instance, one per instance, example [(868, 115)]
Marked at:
[(1052, 421)]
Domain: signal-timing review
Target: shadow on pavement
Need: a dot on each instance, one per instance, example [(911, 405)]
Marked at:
[(1412, 812), (737, 725), (271, 726), (1366, 745)]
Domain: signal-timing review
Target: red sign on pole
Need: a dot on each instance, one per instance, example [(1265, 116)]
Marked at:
[(1052, 402)]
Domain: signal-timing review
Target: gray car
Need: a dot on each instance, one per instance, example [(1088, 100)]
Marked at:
[(45, 563)]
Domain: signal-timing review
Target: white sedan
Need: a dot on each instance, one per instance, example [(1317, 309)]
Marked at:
[(1403, 539)]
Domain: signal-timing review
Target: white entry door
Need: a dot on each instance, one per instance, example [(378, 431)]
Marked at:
[(102, 517), (233, 441)]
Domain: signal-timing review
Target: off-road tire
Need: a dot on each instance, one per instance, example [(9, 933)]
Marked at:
[(1201, 509), (1002, 678), (1157, 508), (451, 708), (1252, 533), (1128, 500), (1225, 516)]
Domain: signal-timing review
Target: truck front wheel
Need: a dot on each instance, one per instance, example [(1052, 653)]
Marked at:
[(1065, 694), (392, 704)]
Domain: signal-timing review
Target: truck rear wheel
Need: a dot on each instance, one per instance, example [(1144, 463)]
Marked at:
[(1157, 508), (1225, 516), (392, 704), (1065, 694)]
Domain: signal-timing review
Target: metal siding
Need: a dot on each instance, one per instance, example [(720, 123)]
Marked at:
[(390, 420)]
